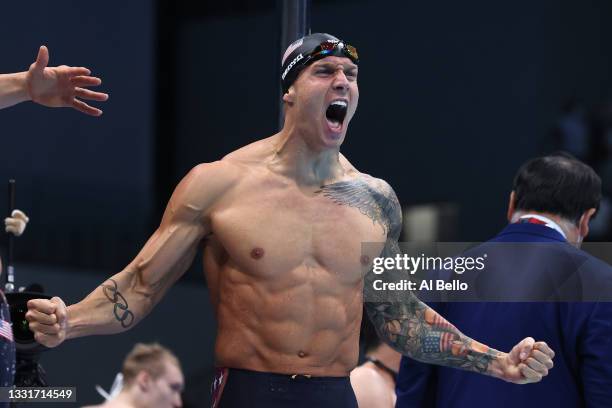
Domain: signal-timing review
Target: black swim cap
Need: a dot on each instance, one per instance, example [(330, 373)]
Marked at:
[(309, 49)]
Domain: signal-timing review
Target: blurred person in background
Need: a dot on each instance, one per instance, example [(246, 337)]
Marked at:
[(374, 380), (552, 202), (152, 378)]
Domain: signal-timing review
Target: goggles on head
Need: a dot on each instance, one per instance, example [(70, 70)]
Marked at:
[(329, 47)]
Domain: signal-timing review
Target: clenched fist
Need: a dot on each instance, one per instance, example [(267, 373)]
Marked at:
[(528, 362), (47, 320), (16, 223)]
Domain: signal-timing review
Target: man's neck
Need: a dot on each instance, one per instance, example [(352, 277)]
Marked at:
[(568, 228), (124, 399), (307, 165)]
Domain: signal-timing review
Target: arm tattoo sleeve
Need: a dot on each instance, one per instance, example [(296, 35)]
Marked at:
[(405, 323)]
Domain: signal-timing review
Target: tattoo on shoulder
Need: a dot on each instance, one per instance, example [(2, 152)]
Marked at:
[(121, 310), (372, 197)]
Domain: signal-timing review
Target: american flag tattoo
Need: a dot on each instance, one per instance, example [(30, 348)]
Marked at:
[(438, 342), (442, 323)]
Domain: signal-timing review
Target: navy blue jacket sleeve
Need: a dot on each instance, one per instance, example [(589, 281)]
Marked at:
[(416, 385), (595, 356)]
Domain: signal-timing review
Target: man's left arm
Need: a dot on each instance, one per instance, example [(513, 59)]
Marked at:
[(595, 355), (416, 330)]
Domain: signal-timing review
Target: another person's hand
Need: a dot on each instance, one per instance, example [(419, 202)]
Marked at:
[(528, 362), (61, 86), (47, 320), (16, 223)]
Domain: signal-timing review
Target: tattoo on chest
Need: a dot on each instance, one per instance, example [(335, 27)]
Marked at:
[(373, 200)]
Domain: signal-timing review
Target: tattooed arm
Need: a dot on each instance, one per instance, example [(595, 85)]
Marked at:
[(414, 329), (127, 297)]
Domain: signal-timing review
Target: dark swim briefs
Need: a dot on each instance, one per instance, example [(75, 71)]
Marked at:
[(235, 388)]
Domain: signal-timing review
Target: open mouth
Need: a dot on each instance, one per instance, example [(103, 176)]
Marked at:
[(335, 113)]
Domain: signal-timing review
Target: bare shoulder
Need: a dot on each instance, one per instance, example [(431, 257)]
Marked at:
[(215, 174), (377, 184), (204, 185), (372, 196), (381, 192), (207, 183), (212, 177), (380, 186), (389, 204), (347, 164), (253, 153), (390, 207)]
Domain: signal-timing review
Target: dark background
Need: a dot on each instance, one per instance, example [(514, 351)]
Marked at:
[(454, 97)]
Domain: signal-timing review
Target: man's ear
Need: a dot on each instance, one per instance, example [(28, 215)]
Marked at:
[(583, 223), (511, 206), (143, 380), (289, 96)]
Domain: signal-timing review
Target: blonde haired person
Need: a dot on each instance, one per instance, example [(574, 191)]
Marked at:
[(152, 378)]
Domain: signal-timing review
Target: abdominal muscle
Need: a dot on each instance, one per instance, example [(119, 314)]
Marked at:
[(304, 321)]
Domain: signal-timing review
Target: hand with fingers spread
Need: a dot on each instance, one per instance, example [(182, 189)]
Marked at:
[(62, 86), (16, 223), (528, 362), (47, 320)]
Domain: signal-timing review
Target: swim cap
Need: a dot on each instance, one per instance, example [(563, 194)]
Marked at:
[(309, 49)]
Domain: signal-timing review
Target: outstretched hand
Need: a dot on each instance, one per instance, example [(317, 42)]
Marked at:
[(528, 362), (61, 86)]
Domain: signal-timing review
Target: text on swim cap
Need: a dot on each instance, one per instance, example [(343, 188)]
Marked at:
[(295, 61)]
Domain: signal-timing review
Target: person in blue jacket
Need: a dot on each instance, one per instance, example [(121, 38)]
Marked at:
[(553, 199)]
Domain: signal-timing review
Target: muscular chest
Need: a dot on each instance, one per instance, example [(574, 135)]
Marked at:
[(274, 229)]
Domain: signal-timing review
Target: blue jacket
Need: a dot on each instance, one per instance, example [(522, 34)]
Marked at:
[(579, 333)]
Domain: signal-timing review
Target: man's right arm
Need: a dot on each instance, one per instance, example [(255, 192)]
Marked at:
[(127, 297)]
